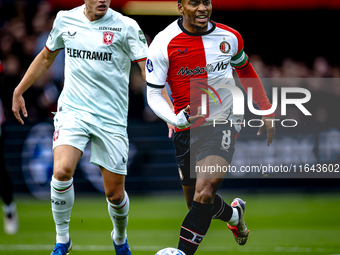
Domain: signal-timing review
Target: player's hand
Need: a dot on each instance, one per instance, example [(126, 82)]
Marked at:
[(184, 120), (18, 104), (171, 130), (193, 119), (270, 127)]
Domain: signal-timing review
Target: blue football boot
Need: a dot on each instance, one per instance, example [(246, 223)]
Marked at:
[(122, 249), (62, 248)]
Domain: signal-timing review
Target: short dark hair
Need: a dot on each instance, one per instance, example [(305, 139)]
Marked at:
[(179, 1)]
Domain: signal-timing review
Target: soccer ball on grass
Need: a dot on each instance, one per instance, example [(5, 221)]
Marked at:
[(170, 251)]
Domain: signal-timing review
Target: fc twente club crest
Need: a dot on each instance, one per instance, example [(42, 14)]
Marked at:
[(108, 37)]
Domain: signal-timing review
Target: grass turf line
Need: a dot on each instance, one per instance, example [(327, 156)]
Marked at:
[(279, 224)]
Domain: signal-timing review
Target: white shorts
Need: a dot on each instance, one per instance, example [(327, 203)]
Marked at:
[(108, 149)]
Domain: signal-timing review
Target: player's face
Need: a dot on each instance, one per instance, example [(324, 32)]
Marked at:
[(95, 9), (196, 14)]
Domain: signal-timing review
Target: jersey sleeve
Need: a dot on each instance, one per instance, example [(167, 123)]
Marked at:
[(55, 41), (240, 58), (157, 65), (135, 44)]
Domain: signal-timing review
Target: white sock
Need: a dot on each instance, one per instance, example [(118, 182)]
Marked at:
[(63, 239), (119, 216), (234, 220), (62, 199)]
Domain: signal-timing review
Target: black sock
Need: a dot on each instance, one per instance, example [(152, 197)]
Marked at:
[(222, 210), (194, 227)]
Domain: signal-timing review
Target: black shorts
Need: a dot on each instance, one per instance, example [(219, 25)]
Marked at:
[(201, 142)]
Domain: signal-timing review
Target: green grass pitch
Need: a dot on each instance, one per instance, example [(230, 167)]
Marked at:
[(298, 223)]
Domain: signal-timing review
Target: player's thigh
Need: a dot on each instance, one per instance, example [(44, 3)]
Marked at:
[(69, 140), (182, 146), (109, 150), (213, 149), (211, 167), (66, 158), (208, 183)]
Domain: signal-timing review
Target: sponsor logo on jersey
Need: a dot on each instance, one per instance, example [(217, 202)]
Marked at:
[(108, 37), (116, 29), (149, 65), (141, 36), (186, 71), (183, 53), (209, 68), (72, 34), (92, 55), (224, 47)]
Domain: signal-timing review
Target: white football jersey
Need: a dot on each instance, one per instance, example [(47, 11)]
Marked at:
[(98, 59)]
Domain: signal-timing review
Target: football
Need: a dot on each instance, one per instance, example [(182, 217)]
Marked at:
[(170, 251)]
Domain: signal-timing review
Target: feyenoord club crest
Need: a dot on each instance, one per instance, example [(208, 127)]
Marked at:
[(108, 37), (225, 47)]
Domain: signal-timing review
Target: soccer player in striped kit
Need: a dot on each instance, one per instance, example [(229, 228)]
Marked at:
[(99, 46), (195, 52)]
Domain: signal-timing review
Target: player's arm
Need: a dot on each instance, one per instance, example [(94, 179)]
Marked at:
[(269, 125), (157, 67), (167, 98), (162, 109), (249, 78), (164, 94), (135, 45), (156, 75), (142, 68), (37, 68)]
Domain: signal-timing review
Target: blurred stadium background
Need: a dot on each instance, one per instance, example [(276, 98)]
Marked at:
[(291, 41)]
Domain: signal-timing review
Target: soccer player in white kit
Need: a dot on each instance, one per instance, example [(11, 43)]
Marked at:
[(99, 44)]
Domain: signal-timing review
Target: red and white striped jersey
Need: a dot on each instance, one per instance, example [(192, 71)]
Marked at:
[(182, 59)]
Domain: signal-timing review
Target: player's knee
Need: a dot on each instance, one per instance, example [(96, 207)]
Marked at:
[(205, 195), (63, 173), (115, 196)]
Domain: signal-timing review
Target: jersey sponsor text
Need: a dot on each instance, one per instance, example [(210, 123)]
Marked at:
[(92, 55), (117, 29), (201, 70)]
